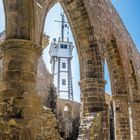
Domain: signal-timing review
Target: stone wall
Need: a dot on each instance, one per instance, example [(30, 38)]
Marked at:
[(42, 128), (68, 115), (91, 127), (51, 126), (75, 107), (44, 80)]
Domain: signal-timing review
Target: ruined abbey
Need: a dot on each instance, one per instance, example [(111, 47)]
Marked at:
[(100, 36)]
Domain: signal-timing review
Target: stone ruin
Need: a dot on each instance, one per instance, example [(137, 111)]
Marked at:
[(100, 36)]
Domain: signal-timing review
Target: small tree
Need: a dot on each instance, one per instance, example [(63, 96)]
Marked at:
[(75, 129), (51, 98)]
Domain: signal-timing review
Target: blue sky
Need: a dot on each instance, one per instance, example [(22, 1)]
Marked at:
[(130, 13), (2, 18)]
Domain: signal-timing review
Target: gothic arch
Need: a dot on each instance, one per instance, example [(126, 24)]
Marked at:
[(90, 56), (92, 22), (91, 60), (134, 96), (120, 93), (68, 111)]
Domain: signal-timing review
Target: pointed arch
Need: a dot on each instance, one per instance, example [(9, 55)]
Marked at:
[(91, 22), (118, 81)]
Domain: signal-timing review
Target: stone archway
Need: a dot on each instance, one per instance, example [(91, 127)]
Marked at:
[(93, 24)]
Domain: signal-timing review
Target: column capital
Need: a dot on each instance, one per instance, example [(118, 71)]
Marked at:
[(20, 44), (92, 81)]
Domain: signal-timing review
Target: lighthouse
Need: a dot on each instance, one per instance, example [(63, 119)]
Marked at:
[(61, 57)]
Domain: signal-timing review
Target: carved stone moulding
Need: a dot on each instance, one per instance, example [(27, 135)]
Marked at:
[(20, 44)]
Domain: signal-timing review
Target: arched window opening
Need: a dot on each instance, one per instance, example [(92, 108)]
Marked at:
[(107, 78), (108, 97), (53, 30), (67, 112), (63, 71)]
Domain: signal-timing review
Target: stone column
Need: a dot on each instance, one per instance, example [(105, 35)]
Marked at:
[(121, 117), (20, 107), (93, 106), (19, 66), (92, 95)]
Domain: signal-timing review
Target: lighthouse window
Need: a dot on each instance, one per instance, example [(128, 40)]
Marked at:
[(63, 82), (63, 65), (63, 46)]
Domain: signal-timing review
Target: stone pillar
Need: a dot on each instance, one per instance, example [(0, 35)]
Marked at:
[(20, 106), (92, 95), (121, 117), (19, 66), (92, 104), (20, 60)]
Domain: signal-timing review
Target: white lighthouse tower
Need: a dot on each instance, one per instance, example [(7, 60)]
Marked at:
[(61, 56)]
